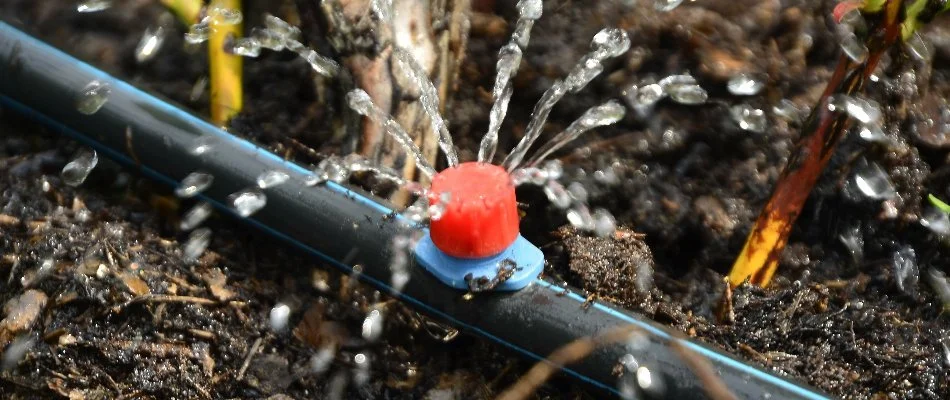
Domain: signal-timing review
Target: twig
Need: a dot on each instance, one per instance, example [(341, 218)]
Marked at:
[(247, 360), (715, 388), (167, 298), (569, 353)]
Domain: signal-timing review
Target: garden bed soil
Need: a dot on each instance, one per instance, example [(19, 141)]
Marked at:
[(118, 312)]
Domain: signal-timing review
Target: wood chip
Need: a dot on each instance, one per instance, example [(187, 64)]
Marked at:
[(216, 281), (20, 314), (135, 284), (8, 220)]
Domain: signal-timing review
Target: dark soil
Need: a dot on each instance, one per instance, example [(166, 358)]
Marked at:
[(689, 183)]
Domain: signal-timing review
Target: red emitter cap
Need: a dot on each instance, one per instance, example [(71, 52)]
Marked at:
[(481, 215)]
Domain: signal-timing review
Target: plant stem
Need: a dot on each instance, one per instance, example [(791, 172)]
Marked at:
[(821, 133), (226, 86)]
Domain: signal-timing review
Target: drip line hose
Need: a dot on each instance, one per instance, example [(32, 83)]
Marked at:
[(345, 227)]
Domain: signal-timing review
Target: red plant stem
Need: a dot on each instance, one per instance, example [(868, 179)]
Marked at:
[(821, 133)]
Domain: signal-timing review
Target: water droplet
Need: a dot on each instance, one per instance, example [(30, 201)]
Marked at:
[(677, 80), (938, 281), (918, 48), (361, 369), (864, 110), (643, 97), (92, 97), (42, 271), (267, 38), (684, 89), (195, 216), (578, 192), (936, 221), (320, 362), (872, 133), (749, 118), (399, 261), (399, 280), (688, 94), (437, 209), (607, 176), (198, 89), (532, 175), (629, 362), (415, 213), (852, 21), (852, 47), (666, 5), (194, 183), (553, 169), (873, 182), (202, 145), (580, 218), (906, 273), (745, 85), (225, 16), (373, 326), (333, 169), (604, 223), (197, 242), (789, 111), (610, 42), (244, 47), (199, 32), (336, 387), (281, 27), (88, 6), (15, 352), (557, 195), (151, 41), (270, 179), (320, 64), (945, 343), (530, 9), (644, 377), (247, 202), (77, 170), (279, 316), (853, 241)]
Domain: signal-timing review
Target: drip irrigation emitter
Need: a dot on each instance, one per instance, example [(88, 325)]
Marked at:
[(333, 222)]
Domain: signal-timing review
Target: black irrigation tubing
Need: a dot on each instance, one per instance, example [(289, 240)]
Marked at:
[(345, 227)]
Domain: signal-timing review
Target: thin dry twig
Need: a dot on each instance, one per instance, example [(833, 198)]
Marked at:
[(247, 360), (715, 388), (569, 353), (167, 298)]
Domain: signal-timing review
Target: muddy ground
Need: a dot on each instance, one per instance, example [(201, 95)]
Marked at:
[(687, 178)]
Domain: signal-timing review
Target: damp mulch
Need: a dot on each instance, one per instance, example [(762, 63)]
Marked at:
[(107, 305)]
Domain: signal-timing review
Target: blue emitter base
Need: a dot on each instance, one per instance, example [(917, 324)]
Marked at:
[(451, 271)]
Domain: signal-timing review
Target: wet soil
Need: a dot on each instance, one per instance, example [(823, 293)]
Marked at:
[(112, 309)]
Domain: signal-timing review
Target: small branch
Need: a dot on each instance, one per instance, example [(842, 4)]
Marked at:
[(569, 353), (715, 388), (247, 360)]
